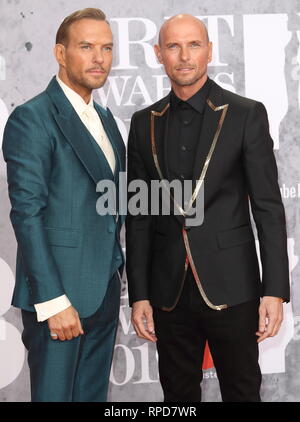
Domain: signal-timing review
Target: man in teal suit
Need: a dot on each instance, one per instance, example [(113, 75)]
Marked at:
[(58, 146)]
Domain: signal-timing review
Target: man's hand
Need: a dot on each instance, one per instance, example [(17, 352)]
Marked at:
[(142, 320), (65, 324), (270, 317)]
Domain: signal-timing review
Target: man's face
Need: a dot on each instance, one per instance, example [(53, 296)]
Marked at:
[(185, 52), (87, 57)]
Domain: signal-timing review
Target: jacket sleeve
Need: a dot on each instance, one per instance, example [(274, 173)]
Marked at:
[(27, 150), (267, 207), (138, 227)]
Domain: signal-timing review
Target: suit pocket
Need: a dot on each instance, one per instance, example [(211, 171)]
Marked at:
[(62, 237), (236, 236)]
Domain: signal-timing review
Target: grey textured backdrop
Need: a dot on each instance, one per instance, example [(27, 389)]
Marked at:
[(257, 54)]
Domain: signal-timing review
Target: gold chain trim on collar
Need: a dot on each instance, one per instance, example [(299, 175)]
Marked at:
[(154, 114)]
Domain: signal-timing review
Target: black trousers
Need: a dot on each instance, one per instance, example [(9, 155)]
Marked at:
[(182, 334)]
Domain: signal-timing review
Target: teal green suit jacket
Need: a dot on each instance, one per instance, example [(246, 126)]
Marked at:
[(53, 166)]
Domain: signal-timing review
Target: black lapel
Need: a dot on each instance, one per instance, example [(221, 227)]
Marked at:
[(74, 131), (160, 118), (214, 115), (211, 123), (159, 144)]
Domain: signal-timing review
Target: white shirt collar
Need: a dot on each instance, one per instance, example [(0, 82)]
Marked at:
[(75, 99)]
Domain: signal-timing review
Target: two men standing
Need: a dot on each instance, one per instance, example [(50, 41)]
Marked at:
[(186, 284)]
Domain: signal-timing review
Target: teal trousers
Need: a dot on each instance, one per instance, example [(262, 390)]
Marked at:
[(74, 370)]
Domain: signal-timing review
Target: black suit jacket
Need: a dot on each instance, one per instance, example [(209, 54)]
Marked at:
[(221, 250)]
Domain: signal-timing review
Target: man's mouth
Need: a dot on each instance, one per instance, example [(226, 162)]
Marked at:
[(184, 69), (96, 71)]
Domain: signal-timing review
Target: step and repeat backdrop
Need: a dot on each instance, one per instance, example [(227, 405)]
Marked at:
[(256, 54)]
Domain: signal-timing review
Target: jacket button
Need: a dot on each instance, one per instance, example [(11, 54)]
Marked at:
[(110, 230)]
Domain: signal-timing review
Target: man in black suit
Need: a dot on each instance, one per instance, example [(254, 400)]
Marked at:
[(198, 283)]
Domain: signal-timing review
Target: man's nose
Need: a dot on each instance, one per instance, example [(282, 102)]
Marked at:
[(98, 56), (184, 53)]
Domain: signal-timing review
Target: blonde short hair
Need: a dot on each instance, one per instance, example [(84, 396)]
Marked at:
[(88, 13)]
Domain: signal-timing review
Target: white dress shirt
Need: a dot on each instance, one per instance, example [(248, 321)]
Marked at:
[(92, 121)]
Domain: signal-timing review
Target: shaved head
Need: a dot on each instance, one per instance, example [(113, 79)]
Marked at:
[(184, 50), (174, 20)]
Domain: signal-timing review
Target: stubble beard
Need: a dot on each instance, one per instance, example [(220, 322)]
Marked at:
[(188, 81), (185, 83), (87, 83)]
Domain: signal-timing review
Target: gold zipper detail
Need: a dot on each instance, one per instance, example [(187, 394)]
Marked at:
[(196, 277), (154, 114), (180, 290), (184, 213)]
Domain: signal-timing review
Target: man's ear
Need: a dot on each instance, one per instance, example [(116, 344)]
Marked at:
[(158, 53), (59, 53), (210, 46)]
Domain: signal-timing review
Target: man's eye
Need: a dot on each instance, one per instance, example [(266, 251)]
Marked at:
[(195, 45), (108, 48), (86, 47), (173, 46)]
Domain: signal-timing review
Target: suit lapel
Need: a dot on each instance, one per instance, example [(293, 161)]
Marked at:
[(75, 132), (77, 136), (112, 131), (214, 115), (114, 138), (159, 144), (159, 133)]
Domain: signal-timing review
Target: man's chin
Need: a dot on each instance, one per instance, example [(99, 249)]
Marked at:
[(186, 82), (99, 85), (96, 83)]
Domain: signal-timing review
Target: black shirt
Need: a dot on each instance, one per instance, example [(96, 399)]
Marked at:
[(185, 123)]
